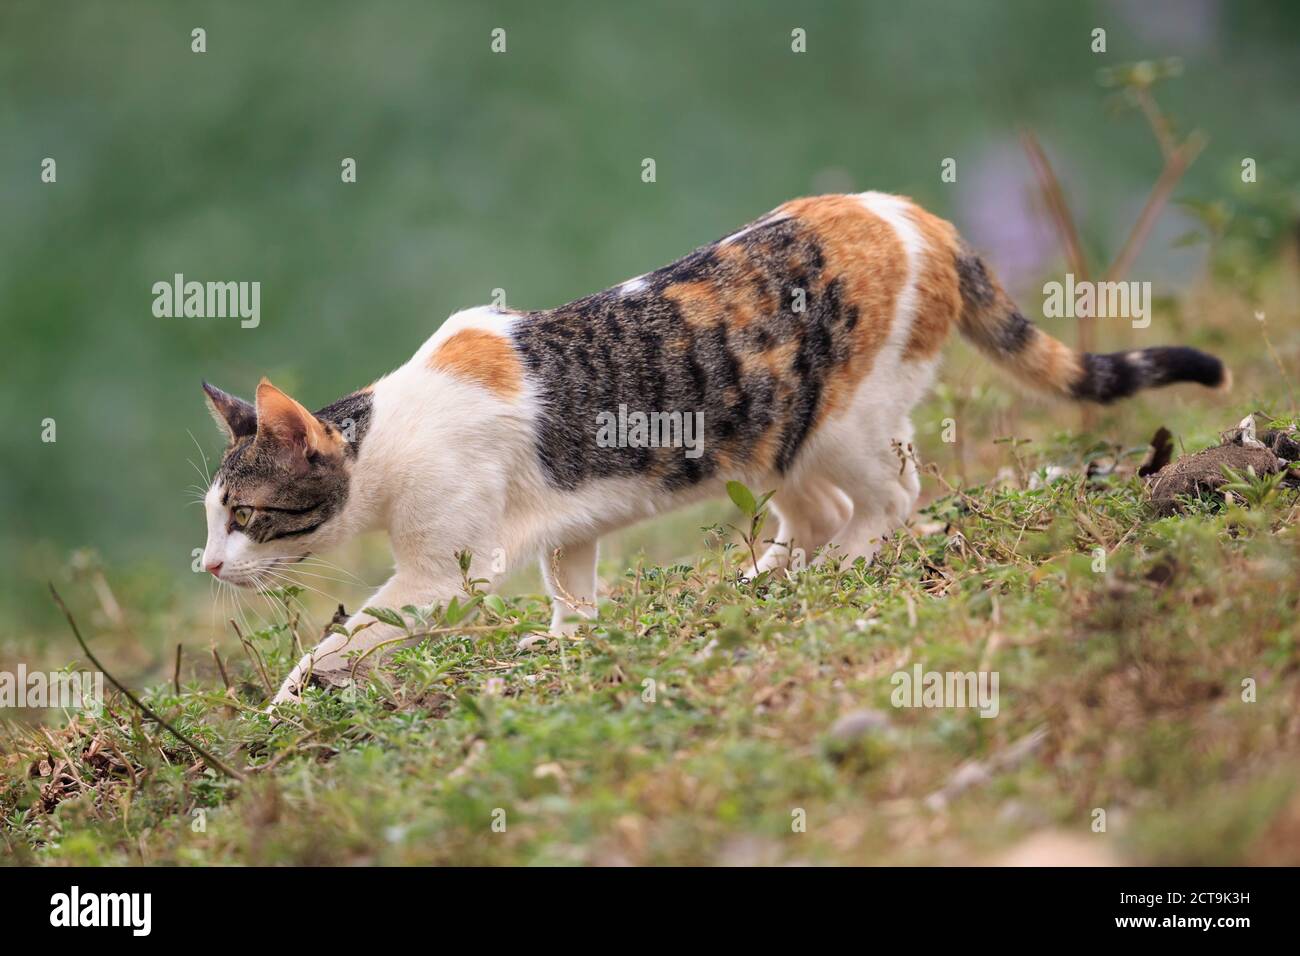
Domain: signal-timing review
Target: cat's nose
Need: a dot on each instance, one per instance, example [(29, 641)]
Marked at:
[(214, 569)]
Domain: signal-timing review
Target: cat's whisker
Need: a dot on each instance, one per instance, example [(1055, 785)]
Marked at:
[(207, 469), (229, 607), (290, 562), (270, 581), (290, 603), (222, 609), (281, 576), (225, 608), (289, 568), (323, 579), (317, 559), (312, 561), (261, 589), (213, 591), (243, 611), (266, 585), (239, 614), (207, 481)]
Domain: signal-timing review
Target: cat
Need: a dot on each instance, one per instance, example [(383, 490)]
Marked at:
[(804, 339)]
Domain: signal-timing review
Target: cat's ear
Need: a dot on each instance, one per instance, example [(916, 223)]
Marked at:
[(286, 425), (234, 416)]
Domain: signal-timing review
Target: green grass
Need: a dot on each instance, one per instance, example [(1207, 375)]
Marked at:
[(1128, 679)]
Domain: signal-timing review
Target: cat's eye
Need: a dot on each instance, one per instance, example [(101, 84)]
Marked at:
[(243, 514)]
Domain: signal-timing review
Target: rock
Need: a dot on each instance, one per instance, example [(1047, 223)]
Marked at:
[(857, 723), (861, 739)]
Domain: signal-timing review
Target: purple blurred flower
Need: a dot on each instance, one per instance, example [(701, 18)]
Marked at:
[(998, 215), (1177, 26)]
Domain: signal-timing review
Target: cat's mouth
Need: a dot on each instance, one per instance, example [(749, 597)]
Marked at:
[(260, 576), (238, 579)]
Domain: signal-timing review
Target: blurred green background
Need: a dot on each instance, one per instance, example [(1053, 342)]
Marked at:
[(520, 171)]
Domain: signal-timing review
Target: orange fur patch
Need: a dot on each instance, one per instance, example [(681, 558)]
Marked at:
[(1044, 363), (1049, 364), (286, 419), (736, 294), (700, 301), (938, 289), (863, 251), (484, 358), (747, 297)]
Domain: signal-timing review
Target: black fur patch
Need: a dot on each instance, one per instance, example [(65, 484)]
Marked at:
[(1108, 378), (641, 351), (1015, 332), (1007, 332), (977, 290), (993, 321), (351, 415), (1178, 363)]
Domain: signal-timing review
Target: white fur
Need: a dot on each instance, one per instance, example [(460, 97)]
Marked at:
[(448, 465)]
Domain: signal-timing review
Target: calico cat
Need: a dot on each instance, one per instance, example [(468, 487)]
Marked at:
[(804, 339)]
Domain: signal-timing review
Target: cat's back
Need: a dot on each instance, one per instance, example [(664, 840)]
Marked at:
[(767, 332)]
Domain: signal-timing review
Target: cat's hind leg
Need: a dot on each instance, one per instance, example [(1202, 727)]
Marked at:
[(809, 512), (884, 486), (570, 576)]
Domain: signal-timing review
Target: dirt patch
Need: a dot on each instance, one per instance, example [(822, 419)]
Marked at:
[(1203, 473)]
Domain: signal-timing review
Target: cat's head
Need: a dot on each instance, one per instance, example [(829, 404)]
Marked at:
[(281, 487)]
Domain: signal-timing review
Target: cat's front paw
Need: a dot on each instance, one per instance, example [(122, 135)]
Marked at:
[(330, 671), (290, 691)]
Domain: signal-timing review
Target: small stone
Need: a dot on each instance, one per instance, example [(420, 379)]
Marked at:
[(858, 723)]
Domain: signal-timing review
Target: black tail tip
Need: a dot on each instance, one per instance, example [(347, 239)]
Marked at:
[(1107, 378), (1183, 364)]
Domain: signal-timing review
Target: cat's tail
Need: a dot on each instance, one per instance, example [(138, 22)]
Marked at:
[(991, 321)]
